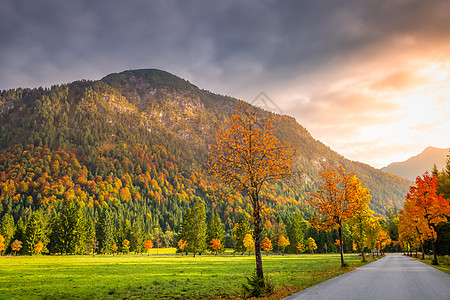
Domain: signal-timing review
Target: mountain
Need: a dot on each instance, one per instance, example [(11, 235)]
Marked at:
[(417, 165), (136, 141)]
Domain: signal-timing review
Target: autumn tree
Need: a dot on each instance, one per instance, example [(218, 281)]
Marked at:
[(266, 245), (2, 244), (283, 243), (424, 203), (383, 240), (183, 246), (310, 245), (337, 200), (373, 231), (360, 223), (125, 246), (248, 157), (249, 243), (16, 246), (148, 244), (215, 245), (38, 248), (300, 248)]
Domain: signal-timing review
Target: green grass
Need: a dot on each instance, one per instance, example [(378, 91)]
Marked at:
[(157, 277), (444, 262)]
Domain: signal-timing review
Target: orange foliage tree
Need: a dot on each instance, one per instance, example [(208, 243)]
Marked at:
[(148, 244), (38, 248), (423, 203), (266, 245), (182, 245), (216, 245), (337, 200), (247, 156), (16, 246)]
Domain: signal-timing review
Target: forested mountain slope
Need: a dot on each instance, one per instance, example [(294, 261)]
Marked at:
[(136, 141)]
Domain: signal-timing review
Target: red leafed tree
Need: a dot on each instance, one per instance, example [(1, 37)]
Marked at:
[(427, 205)]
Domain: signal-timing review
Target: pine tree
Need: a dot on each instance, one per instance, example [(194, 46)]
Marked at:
[(68, 233), (240, 230), (105, 231), (7, 229), (193, 230), (34, 233), (136, 237), (214, 231), (295, 233)]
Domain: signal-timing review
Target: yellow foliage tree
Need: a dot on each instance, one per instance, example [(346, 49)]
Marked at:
[(283, 242), (2, 244), (249, 243), (310, 245)]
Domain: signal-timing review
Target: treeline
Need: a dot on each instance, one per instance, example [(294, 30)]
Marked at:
[(139, 187), (423, 222)]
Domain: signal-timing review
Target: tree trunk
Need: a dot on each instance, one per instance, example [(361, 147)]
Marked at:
[(341, 246), (363, 256), (257, 236), (435, 260), (421, 248)]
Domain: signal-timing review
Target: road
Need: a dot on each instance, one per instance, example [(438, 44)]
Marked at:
[(395, 277)]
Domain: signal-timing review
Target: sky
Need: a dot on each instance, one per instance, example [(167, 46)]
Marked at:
[(370, 79)]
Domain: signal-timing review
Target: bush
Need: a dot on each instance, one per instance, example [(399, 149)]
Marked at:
[(257, 287)]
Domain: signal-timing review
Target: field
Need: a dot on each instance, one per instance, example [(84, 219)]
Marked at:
[(158, 277)]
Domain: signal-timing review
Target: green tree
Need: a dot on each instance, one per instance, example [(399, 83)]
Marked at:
[(214, 231), (136, 237), (34, 233), (105, 231), (295, 232), (240, 230), (7, 229), (68, 229), (193, 229)]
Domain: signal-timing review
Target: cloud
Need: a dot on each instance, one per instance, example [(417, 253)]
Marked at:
[(341, 68)]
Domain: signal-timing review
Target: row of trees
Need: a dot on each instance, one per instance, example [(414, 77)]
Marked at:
[(424, 210)]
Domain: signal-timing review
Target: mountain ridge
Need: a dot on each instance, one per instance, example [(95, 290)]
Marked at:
[(418, 164), (153, 107)]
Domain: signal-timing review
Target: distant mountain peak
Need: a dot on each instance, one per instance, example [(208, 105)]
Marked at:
[(418, 164)]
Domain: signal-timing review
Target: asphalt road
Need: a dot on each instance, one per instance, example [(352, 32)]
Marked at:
[(395, 277)]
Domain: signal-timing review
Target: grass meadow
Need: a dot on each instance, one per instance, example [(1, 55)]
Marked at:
[(159, 276)]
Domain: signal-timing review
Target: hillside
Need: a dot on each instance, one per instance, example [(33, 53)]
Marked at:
[(136, 141), (417, 165)]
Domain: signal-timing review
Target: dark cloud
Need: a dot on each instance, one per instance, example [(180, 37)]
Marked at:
[(292, 50)]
